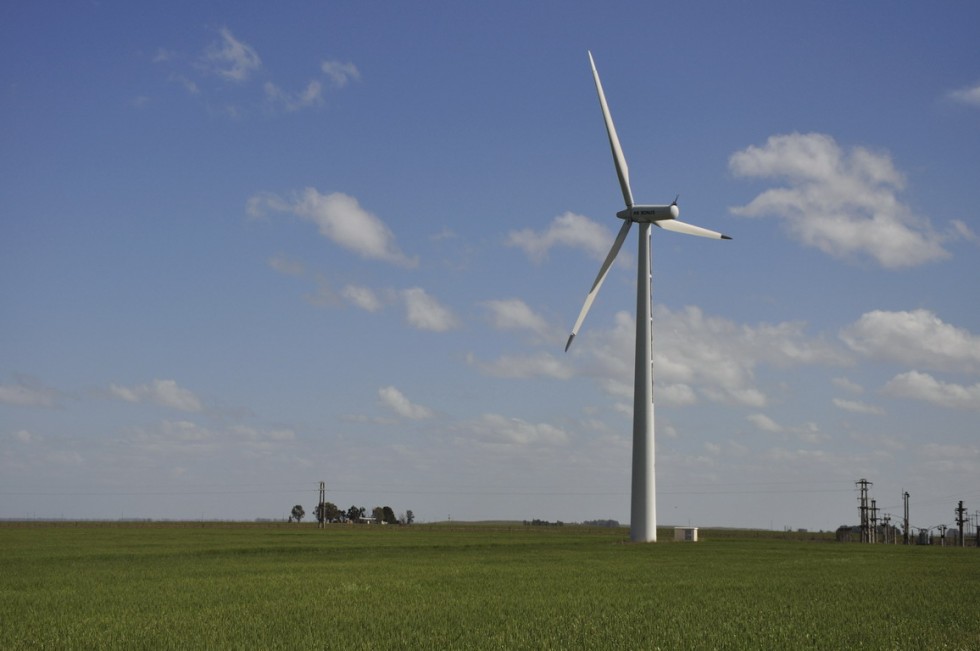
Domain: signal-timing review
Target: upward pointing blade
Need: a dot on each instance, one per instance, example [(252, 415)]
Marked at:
[(617, 151), (603, 270)]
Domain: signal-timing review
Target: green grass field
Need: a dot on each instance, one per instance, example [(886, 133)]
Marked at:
[(471, 587)]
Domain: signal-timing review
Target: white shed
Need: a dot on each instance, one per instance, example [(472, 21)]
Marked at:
[(686, 534)]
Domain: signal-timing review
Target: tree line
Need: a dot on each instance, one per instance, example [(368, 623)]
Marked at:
[(330, 512)]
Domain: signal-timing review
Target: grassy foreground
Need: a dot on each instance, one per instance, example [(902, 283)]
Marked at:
[(265, 587)]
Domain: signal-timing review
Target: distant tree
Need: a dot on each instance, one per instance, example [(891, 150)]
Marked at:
[(388, 515), (327, 512), (378, 514), (297, 513), (409, 517), (355, 513)]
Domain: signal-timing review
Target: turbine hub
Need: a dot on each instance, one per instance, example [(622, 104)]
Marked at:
[(649, 214)]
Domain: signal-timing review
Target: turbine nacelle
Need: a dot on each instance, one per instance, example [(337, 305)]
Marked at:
[(649, 214)]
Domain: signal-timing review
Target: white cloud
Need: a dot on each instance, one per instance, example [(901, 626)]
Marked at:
[(230, 58), (848, 385), (923, 386), (340, 219), (675, 395), (28, 393), (425, 313), (918, 338), (843, 203), (858, 407), (710, 356), (324, 295), (165, 393), (764, 423), (500, 430), (514, 314), (340, 73), (395, 400), (312, 95), (962, 231), (969, 95), (541, 364), (24, 436), (189, 85), (362, 297), (163, 54), (571, 230), (287, 266)]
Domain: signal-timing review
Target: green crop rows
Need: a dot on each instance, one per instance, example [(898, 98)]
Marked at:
[(92, 586)]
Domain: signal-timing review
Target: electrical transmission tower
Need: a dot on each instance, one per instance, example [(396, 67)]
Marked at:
[(960, 521), (905, 532), (864, 510), (320, 508), (874, 522)]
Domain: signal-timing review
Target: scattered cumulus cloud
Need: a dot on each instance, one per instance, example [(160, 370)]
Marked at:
[(341, 219), (916, 338), (340, 73), (699, 356), (844, 203), (252, 86), (286, 265), (495, 429), (426, 313), (515, 314), (540, 364), (858, 407), (231, 58), (165, 393), (764, 423), (28, 392), (396, 401), (163, 54), (675, 395), (961, 231), (362, 297), (186, 83), (569, 230), (312, 95), (969, 95), (922, 386), (848, 385), (25, 436), (323, 295)]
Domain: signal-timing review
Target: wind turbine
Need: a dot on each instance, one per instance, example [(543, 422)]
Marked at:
[(643, 507)]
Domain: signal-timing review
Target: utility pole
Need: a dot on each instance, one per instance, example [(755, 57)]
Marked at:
[(887, 519), (960, 520), (942, 534), (905, 534), (321, 516)]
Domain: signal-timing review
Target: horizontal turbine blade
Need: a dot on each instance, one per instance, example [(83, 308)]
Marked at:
[(603, 270), (617, 151), (689, 229)]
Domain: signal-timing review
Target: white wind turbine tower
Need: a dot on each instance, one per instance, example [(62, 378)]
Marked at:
[(643, 507)]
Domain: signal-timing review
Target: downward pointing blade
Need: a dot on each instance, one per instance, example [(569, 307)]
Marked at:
[(617, 151), (603, 270), (689, 229)]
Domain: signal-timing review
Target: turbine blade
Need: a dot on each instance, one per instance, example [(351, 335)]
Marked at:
[(689, 229), (603, 270), (617, 151)]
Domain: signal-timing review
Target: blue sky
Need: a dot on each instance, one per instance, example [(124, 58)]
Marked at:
[(247, 248)]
